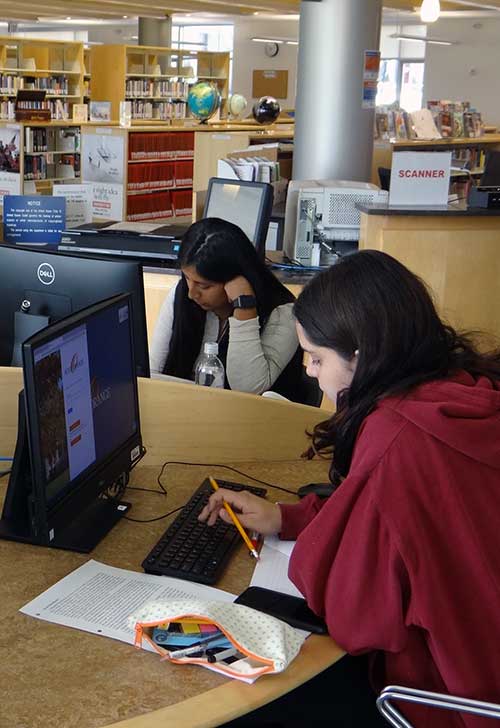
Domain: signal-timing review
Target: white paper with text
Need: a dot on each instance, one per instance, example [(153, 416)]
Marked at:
[(98, 598)]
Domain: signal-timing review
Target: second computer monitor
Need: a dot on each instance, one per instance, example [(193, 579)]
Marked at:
[(40, 287), (246, 204)]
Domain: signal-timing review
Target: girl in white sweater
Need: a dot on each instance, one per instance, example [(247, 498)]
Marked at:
[(227, 294)]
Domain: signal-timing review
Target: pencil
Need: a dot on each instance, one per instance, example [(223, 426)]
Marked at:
[(236, 522)]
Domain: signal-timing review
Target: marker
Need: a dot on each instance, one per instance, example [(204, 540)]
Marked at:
[(197, 647), (236, 522), (220, 656)]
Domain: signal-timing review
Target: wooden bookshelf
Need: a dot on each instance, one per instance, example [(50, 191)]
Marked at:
[(86, 94), (383, 150), (53, 66), (155, 79)]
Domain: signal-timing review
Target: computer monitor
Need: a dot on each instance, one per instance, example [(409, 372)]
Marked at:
[(246, 204), (39, 287), (79, 431)]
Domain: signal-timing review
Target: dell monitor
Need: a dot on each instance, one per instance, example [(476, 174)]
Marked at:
[(246, 204), (79, 432), (40, 287)]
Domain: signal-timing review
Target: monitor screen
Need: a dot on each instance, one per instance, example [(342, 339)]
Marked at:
[(82, 424), (246, 204), (40, 287)]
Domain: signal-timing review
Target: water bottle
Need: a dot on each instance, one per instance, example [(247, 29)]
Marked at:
[(209, 370)]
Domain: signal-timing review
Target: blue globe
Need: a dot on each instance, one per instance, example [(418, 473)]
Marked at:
[(203, 100)]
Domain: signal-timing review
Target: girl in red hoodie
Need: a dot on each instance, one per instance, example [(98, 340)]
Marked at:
[(403, 559)]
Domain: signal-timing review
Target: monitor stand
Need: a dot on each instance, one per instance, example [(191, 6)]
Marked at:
[(21, 520), (25, 325)]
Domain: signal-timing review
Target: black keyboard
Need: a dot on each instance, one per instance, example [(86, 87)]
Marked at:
[(192, 550)]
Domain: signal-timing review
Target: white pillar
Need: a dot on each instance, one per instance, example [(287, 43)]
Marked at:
[(333, 133), (155, 31)]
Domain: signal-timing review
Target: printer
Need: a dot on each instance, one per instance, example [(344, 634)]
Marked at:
[(321, 218)]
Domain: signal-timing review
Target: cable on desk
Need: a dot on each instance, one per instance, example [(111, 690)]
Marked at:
[(219, 465), (5, 472), (158, 518)]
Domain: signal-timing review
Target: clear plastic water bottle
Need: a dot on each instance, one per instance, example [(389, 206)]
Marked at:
[(209, 370)]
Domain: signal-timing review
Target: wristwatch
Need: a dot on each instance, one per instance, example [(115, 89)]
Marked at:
[(244, 302)]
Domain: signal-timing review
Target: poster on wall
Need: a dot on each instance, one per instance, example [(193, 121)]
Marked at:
[(10, 178), (78, 203), (103, 158), (107, 201), (371, 69)]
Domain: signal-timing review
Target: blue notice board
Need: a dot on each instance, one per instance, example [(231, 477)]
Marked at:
[(33, 218)]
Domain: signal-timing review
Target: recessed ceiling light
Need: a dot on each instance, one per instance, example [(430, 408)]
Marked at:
[(125, 17)]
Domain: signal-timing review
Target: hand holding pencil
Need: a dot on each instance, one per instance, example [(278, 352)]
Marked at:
[(252, 512)]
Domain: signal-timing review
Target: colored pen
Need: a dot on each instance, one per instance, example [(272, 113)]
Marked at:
[(196, 647), (236, 522)]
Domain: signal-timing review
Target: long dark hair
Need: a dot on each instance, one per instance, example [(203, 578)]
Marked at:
[(219, 251), (371, 303)]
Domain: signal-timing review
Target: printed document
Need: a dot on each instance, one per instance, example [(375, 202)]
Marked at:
[(98, 598)]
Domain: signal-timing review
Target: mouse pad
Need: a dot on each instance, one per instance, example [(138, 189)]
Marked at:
[(292, 610)]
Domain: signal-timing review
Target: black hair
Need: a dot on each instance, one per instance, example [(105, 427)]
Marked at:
[(220, 251), (372, 304)]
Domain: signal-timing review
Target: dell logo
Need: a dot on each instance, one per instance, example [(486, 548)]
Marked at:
[(46, 274)]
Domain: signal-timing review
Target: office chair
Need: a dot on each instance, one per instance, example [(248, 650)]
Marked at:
[(384, 175), (436, 700)]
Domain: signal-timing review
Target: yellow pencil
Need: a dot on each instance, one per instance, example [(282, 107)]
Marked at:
[(236, 522)]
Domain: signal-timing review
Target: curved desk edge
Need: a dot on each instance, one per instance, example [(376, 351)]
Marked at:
[(224, 703)]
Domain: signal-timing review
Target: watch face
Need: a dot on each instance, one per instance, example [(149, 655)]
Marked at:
[(271, 49)]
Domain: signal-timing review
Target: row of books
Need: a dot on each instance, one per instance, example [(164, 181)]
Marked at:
[(49, 139), (161, 145), (471, 158), (55, 84), (7, 110), (165, 110), (141, 87), (178, 203), (440, 123), (67, 166), (160, 174), (59, 110), (456, 119)]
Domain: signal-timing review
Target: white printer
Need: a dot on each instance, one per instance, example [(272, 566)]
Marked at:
[(320, 213)]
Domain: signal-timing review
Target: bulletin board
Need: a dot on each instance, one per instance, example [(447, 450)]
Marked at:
[(270, 83)]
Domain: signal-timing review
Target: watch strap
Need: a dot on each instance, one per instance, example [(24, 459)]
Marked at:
[(244, 302)]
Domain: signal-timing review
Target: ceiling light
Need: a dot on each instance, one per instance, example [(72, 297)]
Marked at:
[(125, 17), (422, 39), (430, 11), (292, 42)]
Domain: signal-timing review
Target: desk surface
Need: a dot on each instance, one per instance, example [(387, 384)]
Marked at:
[(53, 675), (451, 210)]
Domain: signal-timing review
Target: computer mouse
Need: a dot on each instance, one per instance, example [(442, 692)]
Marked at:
[(323, 490)]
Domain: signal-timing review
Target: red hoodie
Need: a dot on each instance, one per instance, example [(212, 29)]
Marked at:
[(404, 558)]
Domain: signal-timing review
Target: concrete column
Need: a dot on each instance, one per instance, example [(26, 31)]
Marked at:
[(155, 31), (333, 133)]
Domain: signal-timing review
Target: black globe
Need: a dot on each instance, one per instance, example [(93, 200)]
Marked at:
[(266, 110)]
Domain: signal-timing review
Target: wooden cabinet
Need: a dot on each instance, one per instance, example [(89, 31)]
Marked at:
[(53, 66), (154, 79)]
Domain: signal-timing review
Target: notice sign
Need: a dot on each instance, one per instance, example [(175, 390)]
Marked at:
[(33, 219), (420, 178)]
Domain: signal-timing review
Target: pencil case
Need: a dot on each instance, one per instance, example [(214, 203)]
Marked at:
[(263, 645)]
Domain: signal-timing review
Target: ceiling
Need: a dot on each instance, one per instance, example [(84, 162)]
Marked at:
[(117, 9)]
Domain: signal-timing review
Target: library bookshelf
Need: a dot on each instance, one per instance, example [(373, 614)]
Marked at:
[(154, 79), (53, 66), (34, 155), (465, 150), (149, 173)]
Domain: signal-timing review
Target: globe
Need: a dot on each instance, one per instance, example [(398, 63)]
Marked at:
[(266, 110), (237, 104), (203, 100)]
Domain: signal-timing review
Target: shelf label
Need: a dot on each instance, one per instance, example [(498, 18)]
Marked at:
[(33, 219)]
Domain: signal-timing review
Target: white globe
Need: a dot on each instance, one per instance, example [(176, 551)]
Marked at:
[(237, 104)]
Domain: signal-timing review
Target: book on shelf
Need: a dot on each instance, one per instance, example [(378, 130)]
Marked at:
[(400, 125), (424, 125), (161, 145)]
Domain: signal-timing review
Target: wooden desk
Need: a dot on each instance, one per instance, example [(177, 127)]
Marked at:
[(53, 675), (456, 252)]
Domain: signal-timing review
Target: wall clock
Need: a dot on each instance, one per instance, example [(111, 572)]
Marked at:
[(271, 49)]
